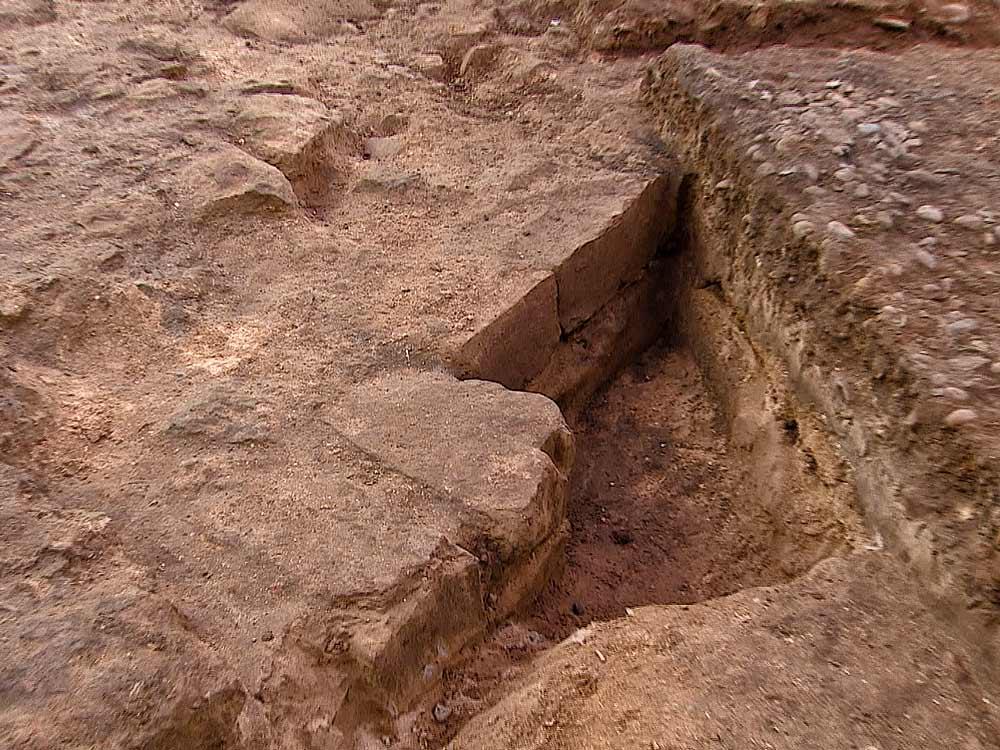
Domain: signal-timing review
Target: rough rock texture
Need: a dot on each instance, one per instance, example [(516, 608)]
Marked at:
[(523, 345), (270, 564), (27, 12), (301, 137), (641, 25), (227, 180), (882, 315), (298, 21)]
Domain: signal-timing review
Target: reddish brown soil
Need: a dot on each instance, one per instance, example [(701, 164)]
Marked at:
[(225, 225), (656, 505), (660, 512)]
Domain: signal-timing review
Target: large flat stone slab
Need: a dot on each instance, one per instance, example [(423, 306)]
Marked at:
[(381, 516)]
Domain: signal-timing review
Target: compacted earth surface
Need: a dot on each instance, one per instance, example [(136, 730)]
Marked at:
[(524, 374)]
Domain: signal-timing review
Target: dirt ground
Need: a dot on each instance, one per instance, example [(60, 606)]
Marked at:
[(661, 511), (304, 305)]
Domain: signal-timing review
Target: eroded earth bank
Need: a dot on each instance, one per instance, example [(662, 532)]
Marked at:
[(483, 375)]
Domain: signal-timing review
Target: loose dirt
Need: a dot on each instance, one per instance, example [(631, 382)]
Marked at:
[(302, 305), (662, 510)]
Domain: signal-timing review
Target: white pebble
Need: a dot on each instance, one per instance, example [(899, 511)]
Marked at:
[(970, 221), (960, 417), (955, 13), (926, 259), (955, 394), (802, 228), (930, 213), (963, 325), (838, 229)]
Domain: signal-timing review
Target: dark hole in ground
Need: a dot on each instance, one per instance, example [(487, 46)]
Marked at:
[(657, 503)]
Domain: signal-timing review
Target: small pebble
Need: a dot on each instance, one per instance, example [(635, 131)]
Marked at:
[(954, 13), (868, 128), (955, 394), (960, 417), (926, 259), (441, 713), (891, 24), (930, 213), (970, 221), (963, 325), (803, 228), (841, 230), (935, 292)]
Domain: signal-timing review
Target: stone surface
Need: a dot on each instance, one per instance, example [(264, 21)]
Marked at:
[(230, 181), (488, 475), (298, 21), (16, 140), (283, 129), (382, 148)]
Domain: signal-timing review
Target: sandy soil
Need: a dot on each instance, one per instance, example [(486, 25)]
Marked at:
[(258, 258)]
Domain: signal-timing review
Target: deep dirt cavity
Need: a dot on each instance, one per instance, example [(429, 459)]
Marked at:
[(660, 512), (695, 477)]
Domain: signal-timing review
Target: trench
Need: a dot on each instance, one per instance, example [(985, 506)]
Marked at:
[(696, 475)]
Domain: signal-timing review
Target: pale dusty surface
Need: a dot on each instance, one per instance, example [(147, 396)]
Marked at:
[(240, 245)]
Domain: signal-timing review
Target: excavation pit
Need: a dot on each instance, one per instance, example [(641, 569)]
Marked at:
[(696, 475)]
